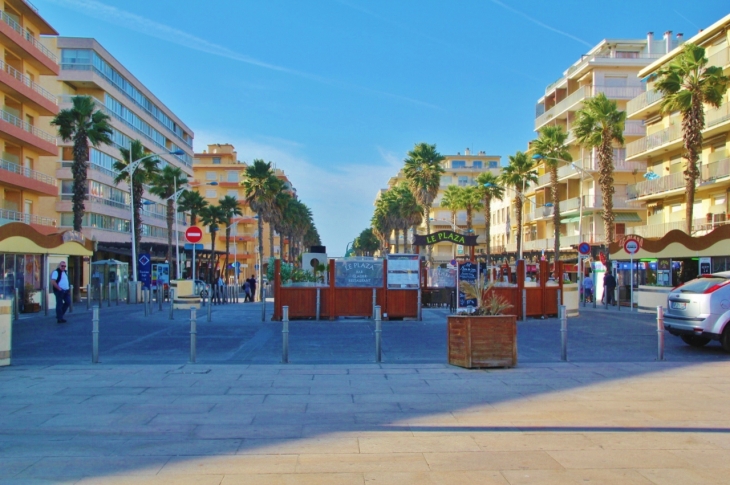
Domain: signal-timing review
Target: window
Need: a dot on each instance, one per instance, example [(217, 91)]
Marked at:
[(463, 181), (676, 208), (620, 229), (232, 176), (615, 81), (445, 180), (216, 160), (675, 165), (720, 200), (493, 164), (627, 55), (211, 194), (211, 176), (458, 164), (233, 193), (476, 164)]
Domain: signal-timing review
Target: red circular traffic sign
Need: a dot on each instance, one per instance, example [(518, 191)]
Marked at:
[(193, 234), (631, 246)]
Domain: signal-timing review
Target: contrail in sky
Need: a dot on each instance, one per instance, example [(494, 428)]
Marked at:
[(164, 32), (535, 21)]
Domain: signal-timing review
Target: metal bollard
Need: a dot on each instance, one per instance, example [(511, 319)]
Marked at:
[(319, 303), (563, 332), (172, 304), (88, 297), (617, 298), (95, 336), (109, 295), (117, 288), (375, 302), (524, 304), (144, 302), (160, 295), (660, 332), (210, 304), (16, 304), (263, 304), (193, 335), (560, 300), (71, 305), (129, 291), (378, 332), (285, 336), (420, 310)]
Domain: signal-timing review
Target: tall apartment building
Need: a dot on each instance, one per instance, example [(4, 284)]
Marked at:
[(218, 173), (136, 113), (662, 189), (24, 184), (612, 68), (460, 170)]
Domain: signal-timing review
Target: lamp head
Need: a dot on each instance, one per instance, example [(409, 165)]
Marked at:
[(212, 183), (548, 204), (177, 152), (537, 156)]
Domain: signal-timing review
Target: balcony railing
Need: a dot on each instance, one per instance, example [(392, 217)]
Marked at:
[(716, 170), (563, 105), (616, 92), (27, 36), (720, 58), (715, 116), (12, 119), (662, 184), (659, 230), (26, 172), (15, 216), (642, 101), (543, 179), (28, 82), (655, 140), (634, 128)]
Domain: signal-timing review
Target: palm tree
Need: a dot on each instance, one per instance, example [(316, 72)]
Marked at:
[(488, 186), (385, 218), (366, 243), (423, 172), (278, 218), (410, 214), (277, 199), (550, 147), (687, 84), (144, 174), (598, 125), (163, 186), (257, 185), (450, 200), (230, 207), (212, 216), (470, 198), (519, 174), (83, 124), (193, 202)]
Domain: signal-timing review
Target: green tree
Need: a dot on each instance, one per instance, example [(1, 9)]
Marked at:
[(550, 147), (423, 172), (410, 213), (600, 124), (451, 201), (163, 185), (688, 83), (257, 186), (519, 174), (230, 207), (82, 124), (191, 201), (490, 189), (212, 216), (470, 198), (144, 174), (366, 243)]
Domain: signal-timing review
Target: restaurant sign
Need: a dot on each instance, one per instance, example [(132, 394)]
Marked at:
[(445, 236)]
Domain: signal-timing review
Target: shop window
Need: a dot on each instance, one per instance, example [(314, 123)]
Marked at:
[(620, 229)]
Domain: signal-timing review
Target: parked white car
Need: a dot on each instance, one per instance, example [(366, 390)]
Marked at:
[(699, 311)]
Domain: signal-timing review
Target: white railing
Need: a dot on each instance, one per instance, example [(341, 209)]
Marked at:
[(563, 105), (596, 201), (662, 184), (720, 58), (659, 230), (26, 172), (642, 101), (655, 140), (715, 116), (27, 36), (716, 170), (12, 119), (569, 204), (15, 216), (27, 81), (543, 179), (634, 128), (625, 92)]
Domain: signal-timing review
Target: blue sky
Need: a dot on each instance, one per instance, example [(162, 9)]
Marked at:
[(335, 92)]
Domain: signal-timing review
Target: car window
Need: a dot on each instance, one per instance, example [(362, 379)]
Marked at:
[(700, 285)]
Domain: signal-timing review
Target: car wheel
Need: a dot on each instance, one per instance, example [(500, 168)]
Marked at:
[(695, 341), (725, 339)]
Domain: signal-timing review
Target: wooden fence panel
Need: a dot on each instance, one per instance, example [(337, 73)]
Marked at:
[(551, 300), (402, 304), (354, 302), (534, 301), (302, 302)]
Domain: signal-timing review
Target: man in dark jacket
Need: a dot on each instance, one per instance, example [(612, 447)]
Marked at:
[(609, 287)]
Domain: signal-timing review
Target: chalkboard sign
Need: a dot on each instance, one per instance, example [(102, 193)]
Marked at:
[(467, 272), (358, 273)]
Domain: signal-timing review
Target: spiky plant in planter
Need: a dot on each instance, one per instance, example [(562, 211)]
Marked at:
[(489, 302)]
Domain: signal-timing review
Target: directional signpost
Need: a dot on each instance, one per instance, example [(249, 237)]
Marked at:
[(632, 247), (193, 235), (584, 249)]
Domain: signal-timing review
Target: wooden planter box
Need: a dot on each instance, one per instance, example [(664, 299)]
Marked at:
[(31, 307), (482, 341)]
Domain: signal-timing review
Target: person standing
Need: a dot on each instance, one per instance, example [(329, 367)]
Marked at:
[(609, 287), (252, 282), (587, 289), (247, 291), (61, 287)]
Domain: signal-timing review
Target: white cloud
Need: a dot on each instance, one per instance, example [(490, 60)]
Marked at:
[(341, 198)]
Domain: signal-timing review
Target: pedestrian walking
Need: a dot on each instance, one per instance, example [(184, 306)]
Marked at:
[(247, 291), (61, 287), (609, 287), (587, 290), (252, 282), (221, 292)]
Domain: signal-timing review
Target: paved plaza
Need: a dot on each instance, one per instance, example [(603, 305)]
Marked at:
[(611, 414)]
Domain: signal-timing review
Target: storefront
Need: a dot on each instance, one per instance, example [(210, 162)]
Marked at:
[(27, 258)]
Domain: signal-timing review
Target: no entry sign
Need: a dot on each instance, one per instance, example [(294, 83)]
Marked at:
[(631, 246), (193, 234)]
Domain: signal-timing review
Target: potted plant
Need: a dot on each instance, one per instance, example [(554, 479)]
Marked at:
[(29, 303), (485, 337)]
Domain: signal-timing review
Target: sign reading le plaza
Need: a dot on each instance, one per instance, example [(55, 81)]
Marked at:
[(445, 236)]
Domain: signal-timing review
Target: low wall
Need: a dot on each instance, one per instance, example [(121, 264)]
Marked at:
[(6, 331), (650, 297)]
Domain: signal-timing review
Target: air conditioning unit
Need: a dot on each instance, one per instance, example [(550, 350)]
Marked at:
[(312, 260)]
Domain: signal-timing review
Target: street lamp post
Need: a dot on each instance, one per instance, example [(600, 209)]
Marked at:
[(174, 197)]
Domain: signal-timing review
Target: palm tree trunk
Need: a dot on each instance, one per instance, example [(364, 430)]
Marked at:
[(397, 240), (468, 220), (556, 209), (137, 203), (605, 180), (228, 249), (692, 124), (260, 222), (414, 228), (271, 240), (79, 170), (170, 216), (426, 216), (213, 264), (487, 229), (518, 234)]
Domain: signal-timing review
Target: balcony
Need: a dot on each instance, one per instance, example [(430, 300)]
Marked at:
[(563, 106), (20, 86), (715, 170), (237, 237), (662, 139), (659, 230), (7, 216), (23, 178), (596, 202), (716, 116), (647, 188), (25, 134), (644, 103), (720, 58), (37, 54)]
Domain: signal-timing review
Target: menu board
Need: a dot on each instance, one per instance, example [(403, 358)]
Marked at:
[(467, 272), (403, 271)]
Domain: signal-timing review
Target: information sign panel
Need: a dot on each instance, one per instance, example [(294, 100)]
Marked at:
[(358, 273), (403, 271)]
